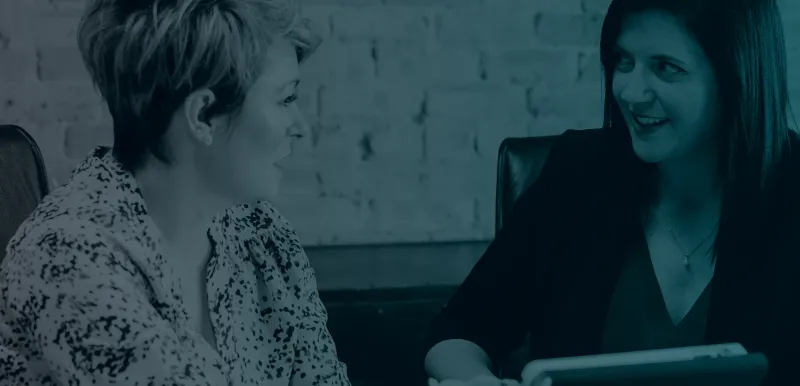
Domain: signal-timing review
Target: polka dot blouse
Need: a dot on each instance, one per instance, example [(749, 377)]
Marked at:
[(87, 299)]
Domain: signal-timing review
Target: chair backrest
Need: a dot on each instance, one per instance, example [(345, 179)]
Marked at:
[(518, 165), (519, 162), (23, 180)]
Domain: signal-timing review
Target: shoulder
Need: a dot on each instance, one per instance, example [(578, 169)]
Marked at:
[(581, 149), (792, 170), (94, 196), (88, 225), (64, 242), (97, 196), (578, 162), (582, 157), (789, 174), (60, 257), (258, 224), (270, 243), (251, 220), (787, 204), (591, 140), (586, 172)]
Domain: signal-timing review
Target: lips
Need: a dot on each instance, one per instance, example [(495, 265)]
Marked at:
[(649, 122), (284, 153)]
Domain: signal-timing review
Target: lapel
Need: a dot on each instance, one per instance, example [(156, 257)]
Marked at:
[(756, 275), (746, 296), (617, 229), (604, 226), (738, 298)]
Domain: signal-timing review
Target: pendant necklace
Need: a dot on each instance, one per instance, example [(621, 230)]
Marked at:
[(686, 256)]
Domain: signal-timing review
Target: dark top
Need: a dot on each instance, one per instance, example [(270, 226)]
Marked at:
[(637, 315), (553, 268)]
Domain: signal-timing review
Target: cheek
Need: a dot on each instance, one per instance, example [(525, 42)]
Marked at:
[(616, 90), (693, 108), (261, 132), (277, 121)]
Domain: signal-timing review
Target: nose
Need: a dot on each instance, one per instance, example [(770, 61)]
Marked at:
[(634, 89), (300, 127)]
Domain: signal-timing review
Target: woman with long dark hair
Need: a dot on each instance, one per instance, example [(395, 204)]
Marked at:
[(674, 225)]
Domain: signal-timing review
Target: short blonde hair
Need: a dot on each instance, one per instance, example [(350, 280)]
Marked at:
[(146, 56)]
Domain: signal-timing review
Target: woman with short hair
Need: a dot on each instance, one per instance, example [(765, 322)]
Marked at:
[(160, 261)]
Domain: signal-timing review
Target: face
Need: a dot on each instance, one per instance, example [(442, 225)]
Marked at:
[(665, 88), (242, 162)]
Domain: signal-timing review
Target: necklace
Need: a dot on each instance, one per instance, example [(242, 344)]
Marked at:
[(686, 256)]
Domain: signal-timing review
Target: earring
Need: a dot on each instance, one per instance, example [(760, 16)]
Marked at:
[(208, 140)]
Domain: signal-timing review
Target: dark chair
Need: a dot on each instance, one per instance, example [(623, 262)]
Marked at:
[(23, 180), (518, 165)]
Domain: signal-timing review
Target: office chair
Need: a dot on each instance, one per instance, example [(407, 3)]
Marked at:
[(23, 180), (519, 163)]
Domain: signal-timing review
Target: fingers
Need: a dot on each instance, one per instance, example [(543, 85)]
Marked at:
[(446, 382), (486, 380), (480, 381), (452, 382)]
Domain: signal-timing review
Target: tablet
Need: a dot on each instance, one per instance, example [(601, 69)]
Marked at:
[(746, 370)]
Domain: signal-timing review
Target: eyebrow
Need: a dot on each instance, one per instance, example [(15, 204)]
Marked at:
[(621, 50), (671, 59), (293, 82)]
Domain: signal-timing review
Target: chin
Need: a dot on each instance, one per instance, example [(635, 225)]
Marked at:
[(264, 192), (270, 188), (271, 193), (654, 146), (265, 189), (650, 152)]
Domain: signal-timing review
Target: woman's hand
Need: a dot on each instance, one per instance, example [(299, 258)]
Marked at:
[(479, 381)]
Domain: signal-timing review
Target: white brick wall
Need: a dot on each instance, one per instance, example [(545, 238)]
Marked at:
[(409, 100)]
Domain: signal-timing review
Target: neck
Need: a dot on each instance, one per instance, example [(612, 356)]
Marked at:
[(177, 204), (690, 183)]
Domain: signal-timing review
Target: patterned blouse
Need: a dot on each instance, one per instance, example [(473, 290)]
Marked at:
[(87, 299)]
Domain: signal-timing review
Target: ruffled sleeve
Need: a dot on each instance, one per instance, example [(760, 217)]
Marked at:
[(316, 361)]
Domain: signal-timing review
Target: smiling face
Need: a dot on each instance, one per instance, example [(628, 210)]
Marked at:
[(242, 162), (665, 87)]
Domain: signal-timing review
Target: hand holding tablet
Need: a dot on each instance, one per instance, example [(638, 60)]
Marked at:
[(712, 365), (479, 381)]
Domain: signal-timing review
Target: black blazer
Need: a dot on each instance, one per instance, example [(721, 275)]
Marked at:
[(552, 269)]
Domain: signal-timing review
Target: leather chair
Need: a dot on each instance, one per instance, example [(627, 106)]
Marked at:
[(23, 180), (519, 162), (518, 165)]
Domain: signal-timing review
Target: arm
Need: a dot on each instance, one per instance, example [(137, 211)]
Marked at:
[(321, 365), (89, 314), (489, 315), (457, 359), (316, 361)]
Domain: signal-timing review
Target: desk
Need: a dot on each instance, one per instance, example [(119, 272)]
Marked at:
[(379, 333)]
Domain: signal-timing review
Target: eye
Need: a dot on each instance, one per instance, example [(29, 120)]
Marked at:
[(623, 63), (291, 99), (667, 68)]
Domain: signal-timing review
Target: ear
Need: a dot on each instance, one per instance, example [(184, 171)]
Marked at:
[(201, 127)]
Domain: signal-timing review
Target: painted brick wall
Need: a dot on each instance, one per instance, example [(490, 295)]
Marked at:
[(409, 100)]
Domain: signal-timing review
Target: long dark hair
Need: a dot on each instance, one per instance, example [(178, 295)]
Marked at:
[(744, 42)]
